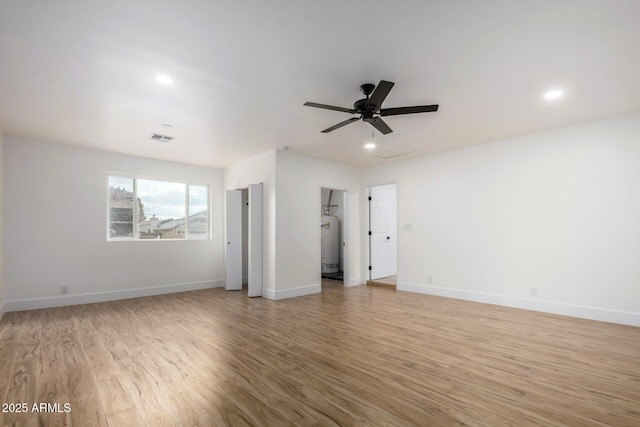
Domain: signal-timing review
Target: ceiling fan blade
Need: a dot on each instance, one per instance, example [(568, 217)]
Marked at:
[(330, 107), (379, 124), (379, 94), (339, 125), (408, 110)]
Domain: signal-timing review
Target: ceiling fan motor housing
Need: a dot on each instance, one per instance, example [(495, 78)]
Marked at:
[(367, 115), (359, 105), (367, 89)]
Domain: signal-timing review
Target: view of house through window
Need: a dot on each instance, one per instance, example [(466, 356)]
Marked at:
[(198, 210), (149, 209), (120, 207)]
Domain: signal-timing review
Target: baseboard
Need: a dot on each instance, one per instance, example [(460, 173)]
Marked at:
[(268, 293), (291, 293), (355, 282), (584, 312), (75, 299)]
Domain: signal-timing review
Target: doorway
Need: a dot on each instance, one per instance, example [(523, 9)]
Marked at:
[(333, 236), (244, 239), (383, 234)]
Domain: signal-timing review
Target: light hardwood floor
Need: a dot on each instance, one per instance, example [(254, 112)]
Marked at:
[(356, 356)]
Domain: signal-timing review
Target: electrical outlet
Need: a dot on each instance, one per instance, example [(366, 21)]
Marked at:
[(64, 290), (533, 292), (430, 280)]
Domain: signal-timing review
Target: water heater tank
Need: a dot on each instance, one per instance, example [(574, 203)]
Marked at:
[(330, 236)]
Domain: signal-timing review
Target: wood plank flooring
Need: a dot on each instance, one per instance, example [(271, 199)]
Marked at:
[(354, 357)]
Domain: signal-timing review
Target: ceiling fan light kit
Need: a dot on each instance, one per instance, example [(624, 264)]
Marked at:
[(370, 108)]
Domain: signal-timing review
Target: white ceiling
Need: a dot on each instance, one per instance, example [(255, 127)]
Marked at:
[(83, 73)]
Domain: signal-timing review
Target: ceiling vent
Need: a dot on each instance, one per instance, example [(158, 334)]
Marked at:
[(162, 138), (395, 151)]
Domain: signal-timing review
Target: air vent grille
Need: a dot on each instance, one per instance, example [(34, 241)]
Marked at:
[(162, 138)]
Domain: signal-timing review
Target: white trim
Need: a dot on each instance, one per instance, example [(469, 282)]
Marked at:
[(268, 293), (66, 300), (366, 242), (355, 282), (291, 293), (573, 310)]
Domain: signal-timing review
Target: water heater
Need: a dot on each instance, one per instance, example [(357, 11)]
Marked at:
[(330, 239)]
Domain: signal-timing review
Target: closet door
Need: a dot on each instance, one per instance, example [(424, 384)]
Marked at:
[(255, 240), (233, 233)]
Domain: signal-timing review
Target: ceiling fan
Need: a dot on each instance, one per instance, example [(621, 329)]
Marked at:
[(370, 108)]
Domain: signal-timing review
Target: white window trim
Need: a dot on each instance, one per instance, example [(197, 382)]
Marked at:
[(135, 210)]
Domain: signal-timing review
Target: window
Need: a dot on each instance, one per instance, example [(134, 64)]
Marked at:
[(148, 209), (163, 209)]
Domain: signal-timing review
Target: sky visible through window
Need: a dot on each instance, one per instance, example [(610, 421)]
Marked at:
[(165, 200)]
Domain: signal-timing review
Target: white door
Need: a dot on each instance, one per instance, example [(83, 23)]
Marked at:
[(382, 226), (233, 228), (255, 240)]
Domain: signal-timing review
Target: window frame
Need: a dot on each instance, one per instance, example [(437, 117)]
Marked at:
[(136, 226)]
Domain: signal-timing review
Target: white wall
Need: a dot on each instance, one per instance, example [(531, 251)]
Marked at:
[(299, 181), (558, 211), (55, 229), (2, 308), (260, 169)]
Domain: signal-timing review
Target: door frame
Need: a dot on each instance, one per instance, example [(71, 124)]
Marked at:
[(367, 229), (254, 241), (345, 231), (233, 240)]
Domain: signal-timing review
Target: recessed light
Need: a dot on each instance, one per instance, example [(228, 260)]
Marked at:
[(164, 79), (553, 94), (369, 145)]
